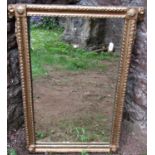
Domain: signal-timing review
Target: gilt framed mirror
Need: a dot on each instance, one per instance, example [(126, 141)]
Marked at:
[(74, 63)]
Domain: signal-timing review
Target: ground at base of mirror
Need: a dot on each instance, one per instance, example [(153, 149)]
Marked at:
[(131, 142)]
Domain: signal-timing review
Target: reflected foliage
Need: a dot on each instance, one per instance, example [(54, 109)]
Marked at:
[(47, 48)]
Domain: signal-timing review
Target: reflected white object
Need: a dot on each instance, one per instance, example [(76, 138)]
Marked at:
[(111, 47), (75, 45)]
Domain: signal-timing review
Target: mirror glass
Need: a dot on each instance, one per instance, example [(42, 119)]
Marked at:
[(74, 63)]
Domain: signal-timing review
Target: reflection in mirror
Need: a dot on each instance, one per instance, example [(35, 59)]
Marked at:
[(74, 75)]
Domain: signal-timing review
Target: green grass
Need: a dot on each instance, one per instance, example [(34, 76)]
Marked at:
[(12, 151), (41, 135), (86, 128), (49, 51), (81, 134), (84, 153)]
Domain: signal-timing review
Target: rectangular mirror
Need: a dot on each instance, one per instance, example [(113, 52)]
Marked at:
[(74, 65), (74, 77)]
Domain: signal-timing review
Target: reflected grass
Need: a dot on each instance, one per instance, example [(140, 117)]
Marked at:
[(86, 128), (41, 134), (48, 50)]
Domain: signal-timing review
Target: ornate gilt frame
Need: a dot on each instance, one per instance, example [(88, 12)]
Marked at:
[(21, 12)]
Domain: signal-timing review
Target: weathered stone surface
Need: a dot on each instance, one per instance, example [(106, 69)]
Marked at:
[(114, 32), (93, 34), (15, 111), (99, 2), (12, 41), (43, 1), (136, 98), (131, 137), (57, 1), (84, 33)]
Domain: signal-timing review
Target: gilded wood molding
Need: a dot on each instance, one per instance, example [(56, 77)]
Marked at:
[(21, 12)]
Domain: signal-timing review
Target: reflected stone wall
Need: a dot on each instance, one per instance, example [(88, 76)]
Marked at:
[(93, 34), (84, 33)]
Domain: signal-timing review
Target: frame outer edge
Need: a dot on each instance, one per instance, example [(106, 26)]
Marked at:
[(21, 13), (24, 59)]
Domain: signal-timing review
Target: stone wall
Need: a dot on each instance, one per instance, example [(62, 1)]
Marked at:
[(14, 98), (135, 108), (136, 98)]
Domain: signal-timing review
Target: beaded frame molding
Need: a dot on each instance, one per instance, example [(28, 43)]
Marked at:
[(21, 13)]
